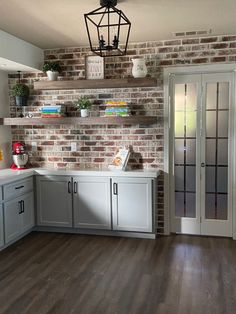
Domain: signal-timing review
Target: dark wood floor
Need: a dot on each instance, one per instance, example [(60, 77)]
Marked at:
[(59, 273)]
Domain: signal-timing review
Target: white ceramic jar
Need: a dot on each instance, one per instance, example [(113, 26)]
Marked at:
[(139, 68)]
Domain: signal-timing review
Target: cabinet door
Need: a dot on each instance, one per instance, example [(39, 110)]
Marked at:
[(54, 201), (132, 204), (1, 198), (28, 212), (92, 209), (1, 227), (12, 219)]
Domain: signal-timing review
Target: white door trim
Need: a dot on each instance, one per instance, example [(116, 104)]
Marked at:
[(168, 102)]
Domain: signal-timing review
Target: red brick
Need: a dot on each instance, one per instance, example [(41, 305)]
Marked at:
[(90, 143), (208, 40), (190, 41), (219, 46), (85, 149), (98, 160), (200, 60), (165, 62), (54, 159), (66, 56), (172, 42), (47, 143), (229, 38), (218, 59), (165, 49), (69, 159)]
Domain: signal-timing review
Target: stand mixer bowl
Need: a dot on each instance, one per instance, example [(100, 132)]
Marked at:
[(20, 160)]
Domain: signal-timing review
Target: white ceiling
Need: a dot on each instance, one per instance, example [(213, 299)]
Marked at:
[(60, 23)]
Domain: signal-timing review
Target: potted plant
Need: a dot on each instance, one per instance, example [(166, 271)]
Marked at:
[(52, 69), (21, 93), (83, 104)]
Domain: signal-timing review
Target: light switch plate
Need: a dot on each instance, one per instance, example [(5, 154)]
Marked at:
[(73, 146), (34, 146)]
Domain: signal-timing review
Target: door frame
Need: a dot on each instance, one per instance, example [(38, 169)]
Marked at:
[(169, 74)]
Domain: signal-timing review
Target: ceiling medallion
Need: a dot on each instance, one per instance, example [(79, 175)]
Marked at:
[(108, 29)]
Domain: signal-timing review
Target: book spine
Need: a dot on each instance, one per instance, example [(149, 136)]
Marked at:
[(51, 116)]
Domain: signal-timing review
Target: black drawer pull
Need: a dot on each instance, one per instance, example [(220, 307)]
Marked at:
[(69, 187), (75, 187), (19, 187), (115, 189), (23, 206), (21, 210)]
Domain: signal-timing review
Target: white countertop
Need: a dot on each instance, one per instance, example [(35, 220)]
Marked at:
[(8, 175)]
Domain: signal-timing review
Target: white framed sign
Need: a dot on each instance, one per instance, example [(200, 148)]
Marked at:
[(94, 67)]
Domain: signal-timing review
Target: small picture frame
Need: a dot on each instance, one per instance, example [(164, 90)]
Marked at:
[(94, 67)]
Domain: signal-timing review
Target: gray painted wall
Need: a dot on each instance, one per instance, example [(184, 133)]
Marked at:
[(5, 132)]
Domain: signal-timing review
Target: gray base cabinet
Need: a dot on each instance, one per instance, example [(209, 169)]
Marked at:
[(1, 227), (92, 209), (95, 203), (18, 216), (132, 207), (54, 201)]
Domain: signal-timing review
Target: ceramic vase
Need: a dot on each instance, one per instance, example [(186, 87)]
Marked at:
[(139, 68)]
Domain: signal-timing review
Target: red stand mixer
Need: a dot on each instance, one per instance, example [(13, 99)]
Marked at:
[(20, 157)]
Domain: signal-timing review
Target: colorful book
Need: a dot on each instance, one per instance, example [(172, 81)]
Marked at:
[(117, 110), (51, 112), (51, 116), (116, 103), (120, 160)]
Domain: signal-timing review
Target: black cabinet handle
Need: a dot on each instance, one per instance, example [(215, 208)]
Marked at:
[(23, 206), (19, 187), (115, 189), (20, 203), (69, 187), (75, 187)]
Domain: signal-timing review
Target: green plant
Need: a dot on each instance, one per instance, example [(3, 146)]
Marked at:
[(20, 89), (83, 103), (51, 66)]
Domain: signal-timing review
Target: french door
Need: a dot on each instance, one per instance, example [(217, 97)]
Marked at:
[(201, 152)]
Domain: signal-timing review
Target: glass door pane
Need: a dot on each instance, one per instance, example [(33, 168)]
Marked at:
[(185, 149), (217, 130)]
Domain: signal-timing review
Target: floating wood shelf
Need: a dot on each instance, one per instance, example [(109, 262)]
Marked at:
[(81, 121), (96, 84)]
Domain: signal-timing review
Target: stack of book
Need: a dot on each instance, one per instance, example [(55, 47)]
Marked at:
[(117, 109), (51, 112)]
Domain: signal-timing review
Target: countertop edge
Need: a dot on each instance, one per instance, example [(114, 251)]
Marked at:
[(8, 175)]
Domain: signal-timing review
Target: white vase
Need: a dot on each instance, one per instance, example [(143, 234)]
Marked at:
[(52, 76), (84, 113), (139, 68)]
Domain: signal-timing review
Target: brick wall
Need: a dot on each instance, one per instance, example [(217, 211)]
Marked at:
[(96, 144)]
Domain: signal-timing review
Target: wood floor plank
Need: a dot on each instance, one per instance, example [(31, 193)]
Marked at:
[(47, 273)]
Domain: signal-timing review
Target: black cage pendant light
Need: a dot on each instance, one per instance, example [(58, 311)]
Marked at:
[(108, 29)]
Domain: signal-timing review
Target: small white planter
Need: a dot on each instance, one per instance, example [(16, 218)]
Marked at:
[(52, 76), (84, 113)]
